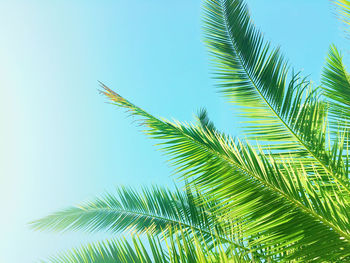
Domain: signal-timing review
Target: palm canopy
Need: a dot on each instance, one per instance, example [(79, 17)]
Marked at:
[(284, 198)]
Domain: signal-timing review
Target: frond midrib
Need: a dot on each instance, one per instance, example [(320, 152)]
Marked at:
[(177, 128), (273, 188), (175, 222), (154, 216), (329, 171)]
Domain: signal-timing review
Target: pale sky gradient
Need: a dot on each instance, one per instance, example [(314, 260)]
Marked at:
[(61, 144)]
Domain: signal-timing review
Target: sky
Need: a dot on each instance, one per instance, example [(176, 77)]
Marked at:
[(61, 144)]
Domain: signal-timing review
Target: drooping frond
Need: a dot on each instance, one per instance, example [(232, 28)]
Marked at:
[(153, 211), (109, 252), (343, 8), (336, 86), (172, 250), (281, 109), (254, 76), (204, 120), (275, 206)]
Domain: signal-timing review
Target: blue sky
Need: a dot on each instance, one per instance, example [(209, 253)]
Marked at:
[(62, 144)]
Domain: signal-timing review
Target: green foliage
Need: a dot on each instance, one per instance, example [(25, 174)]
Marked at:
[(179, 248), (155, 211), (343, 11), (336, 85), (280, 195)]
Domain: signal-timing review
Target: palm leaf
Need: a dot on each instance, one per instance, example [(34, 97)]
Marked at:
[(336, 86), (153, 211), (284, 111), (174, 250), (343, 8), (108, 252), (204, 120), (284, 199), (266, 199)]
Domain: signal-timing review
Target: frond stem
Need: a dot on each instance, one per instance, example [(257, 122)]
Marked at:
[(171, 221), (325, 167)]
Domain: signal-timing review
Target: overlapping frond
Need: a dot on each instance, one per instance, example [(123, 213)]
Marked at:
[(343, 8), (153, 211), (284, 111), (336, 87), (204, 120), (177, 249), (254, 76), (109, 252), (283, 199), (271, 202), (156, 211)]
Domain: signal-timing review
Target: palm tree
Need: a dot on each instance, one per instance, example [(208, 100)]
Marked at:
[(280, 195)]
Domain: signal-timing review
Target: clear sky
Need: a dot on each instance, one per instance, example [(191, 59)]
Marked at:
[(61, 144)]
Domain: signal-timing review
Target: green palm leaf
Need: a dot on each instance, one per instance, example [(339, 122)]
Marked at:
[(336, 86), (155, 211), (173, 250), (108, 252), (283, 110), (283, 199), (204, 120), (271, 207), (343, 8)]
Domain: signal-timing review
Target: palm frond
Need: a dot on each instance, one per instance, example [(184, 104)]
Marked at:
[(266, 199), (108, 252), (284, 110), (336, 87), (204, 120), (172, 250), (283, 199), (153, 211), (343, 8)]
